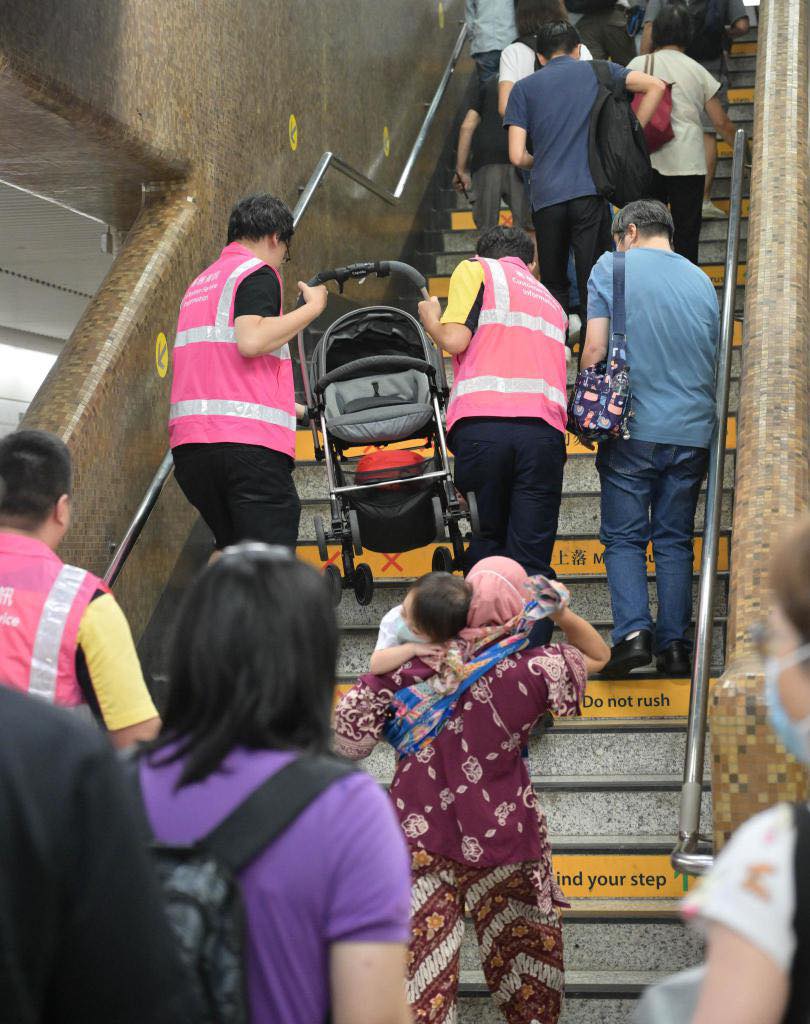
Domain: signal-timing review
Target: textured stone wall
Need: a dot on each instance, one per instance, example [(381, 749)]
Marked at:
[(194, 98), (750, 769)]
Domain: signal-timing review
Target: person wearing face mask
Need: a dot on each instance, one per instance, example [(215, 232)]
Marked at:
[(750, 903), (433, 612)]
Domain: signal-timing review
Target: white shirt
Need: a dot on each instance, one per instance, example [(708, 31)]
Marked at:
[(751, 888), (517, 61), (692, 87), (387, 637)]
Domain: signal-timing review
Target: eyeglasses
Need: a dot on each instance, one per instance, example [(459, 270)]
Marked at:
[(287, 254)]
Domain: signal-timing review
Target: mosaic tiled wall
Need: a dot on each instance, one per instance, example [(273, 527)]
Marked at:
[(198, 99), (750, 770)]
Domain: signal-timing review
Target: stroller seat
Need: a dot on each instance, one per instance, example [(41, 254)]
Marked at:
[(378, 408)]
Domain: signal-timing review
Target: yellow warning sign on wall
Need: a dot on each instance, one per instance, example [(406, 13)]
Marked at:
[(440, 13), (161, 355), (386, 141), (613, 875), (292, 131)]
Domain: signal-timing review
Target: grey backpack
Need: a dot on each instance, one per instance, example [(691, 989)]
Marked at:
[(201, 890)]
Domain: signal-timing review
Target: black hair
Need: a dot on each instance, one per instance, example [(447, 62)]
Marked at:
[(256, 217), (252, 661), (672, 27), (531, 14), (500, 241), (557, 37), (35, 472), (440, 605), (650, 216)]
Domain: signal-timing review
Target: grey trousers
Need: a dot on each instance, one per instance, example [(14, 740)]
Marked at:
[(495, 182)]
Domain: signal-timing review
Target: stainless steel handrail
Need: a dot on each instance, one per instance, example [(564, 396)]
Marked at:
[(685, 857), (328, 160)]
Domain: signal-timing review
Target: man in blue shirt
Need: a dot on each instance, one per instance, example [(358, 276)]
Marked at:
[(553, 108), (651, 482)]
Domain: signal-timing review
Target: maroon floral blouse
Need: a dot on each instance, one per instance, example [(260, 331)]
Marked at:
[(468, 795)]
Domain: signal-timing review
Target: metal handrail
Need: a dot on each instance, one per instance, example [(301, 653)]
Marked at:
[(685, 857), (328, 160)]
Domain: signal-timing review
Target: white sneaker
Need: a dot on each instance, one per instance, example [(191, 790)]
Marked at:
[(569, 355), (574, 328), (712, 212)]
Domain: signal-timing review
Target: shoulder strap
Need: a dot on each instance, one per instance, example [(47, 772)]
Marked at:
[(267, 812), (799, 1003), (618, 294), (602, 72)]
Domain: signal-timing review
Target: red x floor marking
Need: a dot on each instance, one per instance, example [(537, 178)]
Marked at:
[(331, 561), (392, 561)]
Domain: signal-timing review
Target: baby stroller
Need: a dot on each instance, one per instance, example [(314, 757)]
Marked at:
[(377, 380)]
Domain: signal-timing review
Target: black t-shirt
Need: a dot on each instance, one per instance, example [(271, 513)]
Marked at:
[(490, 144), (83, 935), (258, 295)]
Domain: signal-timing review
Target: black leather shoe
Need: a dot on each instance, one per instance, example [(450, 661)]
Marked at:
[(629, 654), (675, 661)]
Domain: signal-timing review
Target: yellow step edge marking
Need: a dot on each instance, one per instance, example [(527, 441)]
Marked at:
[(462, 220), (577, 556), (637, 698), (725, 203), (305, 449), (612, 875), (717, 273), (748, 49), (741, 95)]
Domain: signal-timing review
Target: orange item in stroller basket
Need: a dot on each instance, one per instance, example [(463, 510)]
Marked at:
[(382, 464)]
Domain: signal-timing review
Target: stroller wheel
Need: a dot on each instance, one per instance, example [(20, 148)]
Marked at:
[(335, 583), (472, 505), (363, 583), (442, 560), (438, 518), (354, 526), (320, 537)]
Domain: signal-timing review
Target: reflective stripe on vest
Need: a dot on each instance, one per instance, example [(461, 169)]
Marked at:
[(221, 331), (510, 386), (241, 410), (504, 316), (48, 642)]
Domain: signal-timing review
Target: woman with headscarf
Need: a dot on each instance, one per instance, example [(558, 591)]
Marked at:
[(465, 801)]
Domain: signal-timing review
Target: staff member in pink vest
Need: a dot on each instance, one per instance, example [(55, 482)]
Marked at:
[(63, 637), (233, 413), (507, 412)]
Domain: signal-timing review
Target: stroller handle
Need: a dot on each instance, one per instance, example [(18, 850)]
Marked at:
[(361, 270)]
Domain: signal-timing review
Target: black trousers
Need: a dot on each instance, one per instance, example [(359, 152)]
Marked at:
[(515, 468), (684, 195), (242, 491), (581, 224)]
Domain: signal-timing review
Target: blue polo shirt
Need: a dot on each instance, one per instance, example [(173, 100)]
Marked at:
[(672, 334), (554, 106)]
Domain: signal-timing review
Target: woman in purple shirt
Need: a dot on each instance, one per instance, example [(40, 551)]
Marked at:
[(252, 675)]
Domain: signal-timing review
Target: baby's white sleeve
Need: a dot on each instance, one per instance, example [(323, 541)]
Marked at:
[(387, 637)]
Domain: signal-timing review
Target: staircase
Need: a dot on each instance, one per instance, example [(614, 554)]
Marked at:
[(609, 781)]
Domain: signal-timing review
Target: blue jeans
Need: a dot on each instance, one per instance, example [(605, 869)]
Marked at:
[(488, 64), (649, 493)]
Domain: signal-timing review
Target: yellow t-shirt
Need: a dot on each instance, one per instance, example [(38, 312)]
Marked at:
[(112, 663), (465, 295)]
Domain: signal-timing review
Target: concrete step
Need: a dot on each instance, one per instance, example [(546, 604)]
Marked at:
[(591, 997), (579, 513), (611, 944), (580, 476), (649, 749), (357, 644), (589, 598)]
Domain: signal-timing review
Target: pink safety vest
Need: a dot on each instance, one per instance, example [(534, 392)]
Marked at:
[(515, 363), (218, 394), (42, 601)]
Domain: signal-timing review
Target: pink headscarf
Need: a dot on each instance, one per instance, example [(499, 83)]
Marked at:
[(499, 594)]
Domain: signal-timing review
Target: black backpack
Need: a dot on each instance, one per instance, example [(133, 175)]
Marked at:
[(617, 151), (202, 896), (588, 6), (707, 18)]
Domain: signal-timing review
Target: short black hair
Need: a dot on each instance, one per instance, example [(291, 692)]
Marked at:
[(252, 662), (650, 216), (672, 27), (35, 471), (256, 217), (500, 241), (440, 605), (531, 14), (557, 37)]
